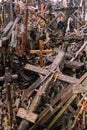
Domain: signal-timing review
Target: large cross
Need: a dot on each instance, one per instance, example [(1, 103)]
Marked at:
[(41, 52)]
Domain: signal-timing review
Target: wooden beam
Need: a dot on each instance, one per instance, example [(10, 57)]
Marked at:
[(7, 28), (27, 115), (15, 76), (11, 10), (9, 105), (74, 64), (43, 51), (72, 110), (36, 69), (68, 79), (14, 25), (57, 61)]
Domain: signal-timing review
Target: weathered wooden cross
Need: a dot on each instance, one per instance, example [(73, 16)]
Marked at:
[(9, 100), (41, 52)]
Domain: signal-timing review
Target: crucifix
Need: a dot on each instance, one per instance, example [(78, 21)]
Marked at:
[(41, 52), (8, 79)]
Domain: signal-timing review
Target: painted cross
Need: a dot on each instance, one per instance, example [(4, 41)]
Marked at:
[(41, 52)]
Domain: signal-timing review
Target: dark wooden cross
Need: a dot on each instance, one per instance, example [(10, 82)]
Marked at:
[(41, 52), (24, 34), (9, 100)]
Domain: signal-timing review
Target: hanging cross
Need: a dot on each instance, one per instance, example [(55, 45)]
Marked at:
[(41, 52)]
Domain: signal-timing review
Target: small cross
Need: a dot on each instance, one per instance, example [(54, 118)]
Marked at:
[(41, 52)]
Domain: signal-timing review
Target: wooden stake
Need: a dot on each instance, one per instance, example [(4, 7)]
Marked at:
[(24, 34), (9, 105)]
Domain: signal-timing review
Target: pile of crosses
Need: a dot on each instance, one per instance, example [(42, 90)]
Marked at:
[(41, 65)]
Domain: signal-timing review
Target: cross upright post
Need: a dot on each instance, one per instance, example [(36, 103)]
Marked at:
[(8, 79)]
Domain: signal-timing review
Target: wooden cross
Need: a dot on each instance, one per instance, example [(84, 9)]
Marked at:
[(9, 100), (21, 50), (24, 37), (41, 52)]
